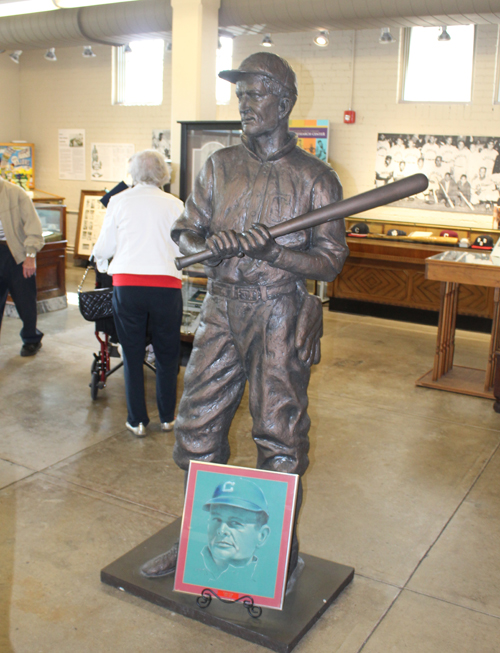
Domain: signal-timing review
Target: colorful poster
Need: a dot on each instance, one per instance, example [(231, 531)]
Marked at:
[(17, 164), (312, 136), (72, 154)]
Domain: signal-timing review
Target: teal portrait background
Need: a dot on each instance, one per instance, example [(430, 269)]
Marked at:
[(264, 579)]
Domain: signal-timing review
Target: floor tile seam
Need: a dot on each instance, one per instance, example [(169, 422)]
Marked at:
[(379, 621), (101, 493), (85, 449), (18, 480), (454, 603), (449, 520), (12, 462), (378, 580)]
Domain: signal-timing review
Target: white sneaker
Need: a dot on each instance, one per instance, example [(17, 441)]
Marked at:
[(139, 431), (167, 426)]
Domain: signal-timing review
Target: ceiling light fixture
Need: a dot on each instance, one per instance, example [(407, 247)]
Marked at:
[(322, 38), (127, 49), (386, 36), (88, 52), (267, 41), (15, 55), (444, 36), (50, 55)]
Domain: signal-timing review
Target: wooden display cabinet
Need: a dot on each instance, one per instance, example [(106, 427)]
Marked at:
[(388, 271)]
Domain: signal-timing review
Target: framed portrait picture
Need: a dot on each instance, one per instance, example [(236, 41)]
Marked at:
[(17, 164), (236, 533), (90, 218)]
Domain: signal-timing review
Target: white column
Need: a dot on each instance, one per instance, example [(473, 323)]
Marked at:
[(195, 26)]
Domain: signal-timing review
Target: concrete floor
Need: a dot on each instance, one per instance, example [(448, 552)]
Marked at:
[(403, 485)]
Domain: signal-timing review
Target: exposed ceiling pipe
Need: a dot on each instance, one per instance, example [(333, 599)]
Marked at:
[(114, 24), (120, 23)]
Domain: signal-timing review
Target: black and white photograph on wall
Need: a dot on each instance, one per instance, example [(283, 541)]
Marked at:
[(160, 141), (463, 171)]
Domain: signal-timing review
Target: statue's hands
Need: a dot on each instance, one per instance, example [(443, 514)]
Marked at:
[(222, 245), (309, 330), (258, 243)]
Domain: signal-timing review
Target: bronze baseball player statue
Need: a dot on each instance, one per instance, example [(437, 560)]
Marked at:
[(258, 323)]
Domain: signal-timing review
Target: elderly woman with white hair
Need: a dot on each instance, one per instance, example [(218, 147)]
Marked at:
[(147, 285)]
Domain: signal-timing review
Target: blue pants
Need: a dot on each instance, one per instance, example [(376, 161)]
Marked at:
[(23, 293), (140, 310)]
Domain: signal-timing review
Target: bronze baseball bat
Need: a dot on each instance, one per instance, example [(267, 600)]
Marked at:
[(398, 190)]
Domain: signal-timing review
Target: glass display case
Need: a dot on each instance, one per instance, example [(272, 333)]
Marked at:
[(53, 219), (200, 139), (194, 289)]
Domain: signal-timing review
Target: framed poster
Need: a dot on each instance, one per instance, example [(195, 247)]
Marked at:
[(200, 139), (17, 164), (236, 533), (90, 218), (463, 171)]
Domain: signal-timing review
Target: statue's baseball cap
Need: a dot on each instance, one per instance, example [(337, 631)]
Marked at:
[(241, 493), (266, 64)]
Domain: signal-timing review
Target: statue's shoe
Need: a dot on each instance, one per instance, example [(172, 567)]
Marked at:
[(162, 565)]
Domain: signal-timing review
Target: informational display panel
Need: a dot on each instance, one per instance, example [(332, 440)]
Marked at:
[(72, 154), (109, 161)]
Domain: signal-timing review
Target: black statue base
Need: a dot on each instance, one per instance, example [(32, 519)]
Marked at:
[(317, 587)]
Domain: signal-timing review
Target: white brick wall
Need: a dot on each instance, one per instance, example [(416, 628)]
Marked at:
[(39, 97), (324, 78), (10, 120), (75, 92)]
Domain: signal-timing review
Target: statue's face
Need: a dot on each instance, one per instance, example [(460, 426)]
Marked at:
[(259, 110)]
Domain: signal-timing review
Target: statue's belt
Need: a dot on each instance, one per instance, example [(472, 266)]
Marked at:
[(250, 293)]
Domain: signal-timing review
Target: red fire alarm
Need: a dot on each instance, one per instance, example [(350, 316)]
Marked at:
[(349, 116)]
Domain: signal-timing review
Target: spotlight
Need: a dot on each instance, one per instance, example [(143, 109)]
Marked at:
[(50, 55), (87, 52), (444, 36), (15, 55), (127, 49), (267, 41), (386, 36), (322, 38)]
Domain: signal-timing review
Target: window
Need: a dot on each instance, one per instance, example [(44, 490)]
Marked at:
[(224, 61), (438, 71), (138, 73)]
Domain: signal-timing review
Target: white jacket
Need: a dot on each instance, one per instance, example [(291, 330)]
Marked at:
[(136, 233)]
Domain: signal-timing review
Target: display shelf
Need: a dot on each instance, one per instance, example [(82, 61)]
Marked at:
[(391, 271)]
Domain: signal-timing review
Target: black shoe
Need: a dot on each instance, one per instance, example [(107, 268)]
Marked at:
[(30, 348)]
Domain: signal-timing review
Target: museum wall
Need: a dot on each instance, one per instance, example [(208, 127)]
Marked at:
[(10, 117), (324, 78), (75, 92), (39, 98)]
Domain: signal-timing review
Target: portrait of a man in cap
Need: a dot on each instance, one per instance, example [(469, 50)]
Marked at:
[(258, 323), (237, 528)]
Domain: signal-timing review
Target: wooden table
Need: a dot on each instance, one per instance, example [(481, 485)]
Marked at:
[(453, 268)]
